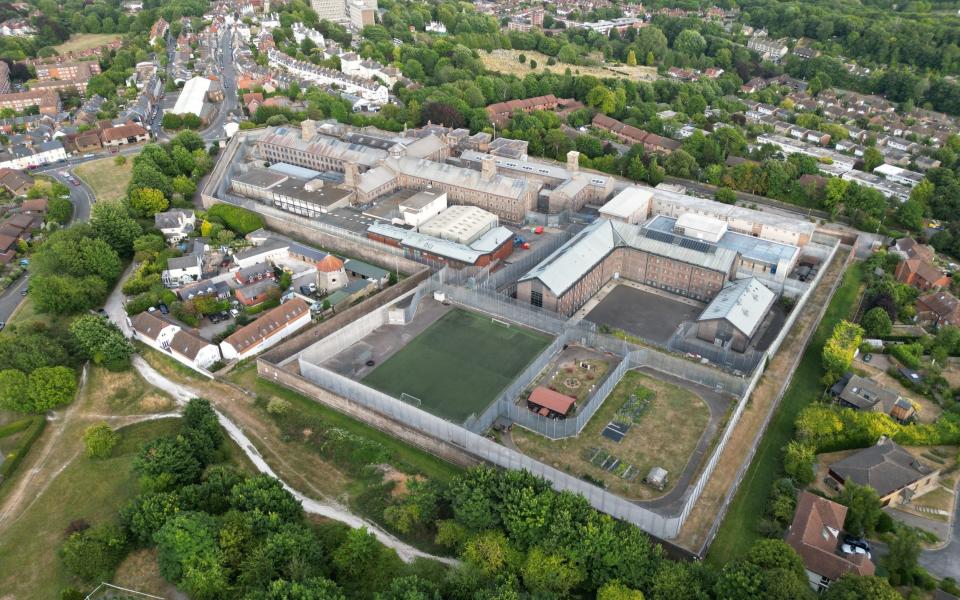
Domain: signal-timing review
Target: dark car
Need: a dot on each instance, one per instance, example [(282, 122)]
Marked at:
[(856, 542), (2, 325), (163, 308)]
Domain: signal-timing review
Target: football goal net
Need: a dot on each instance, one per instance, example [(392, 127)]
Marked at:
[(497, 321), (409, 399)]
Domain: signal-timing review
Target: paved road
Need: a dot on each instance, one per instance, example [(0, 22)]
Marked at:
[(82, 199), (945, 562)]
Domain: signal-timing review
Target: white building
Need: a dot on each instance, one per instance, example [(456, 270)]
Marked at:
[(632, 205), (302, 32), (436, 27), (352, 64), (175, 224), (460, 224), (275, 325), (182, 270), (701, 227), (155, 331), (192, 96), (899, 175), (369, 90), (270, 21), (269, 251), (422, 206), (23, 157)]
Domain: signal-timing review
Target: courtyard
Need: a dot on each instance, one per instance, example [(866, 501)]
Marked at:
[(645, 314)]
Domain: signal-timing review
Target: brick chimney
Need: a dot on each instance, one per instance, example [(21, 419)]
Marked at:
[(308, 129), (488, 167), (573, 161)]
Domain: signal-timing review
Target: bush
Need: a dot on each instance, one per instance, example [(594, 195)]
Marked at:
[(100, 440), (876, 322), (908, 354), (93, 555), (240, 220), (278, 406)]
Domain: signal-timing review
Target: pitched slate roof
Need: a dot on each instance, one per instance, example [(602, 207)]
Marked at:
[(886, 467)]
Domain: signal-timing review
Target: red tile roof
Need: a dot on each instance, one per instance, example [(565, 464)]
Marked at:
[(555, 401), (815, 535)]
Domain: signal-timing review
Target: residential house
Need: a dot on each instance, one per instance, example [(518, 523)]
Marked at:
[(273, 326), (907, 248), (253, 273), (152, 329), (815, 534), (121, 135), (938, 308), (256, 292), (632, 135), (193, 350), (860, 393), (896, 475), (219, 290), (182, 270), (16, 182), (175, 224), (921, 274), (36, 208), (269, 250)]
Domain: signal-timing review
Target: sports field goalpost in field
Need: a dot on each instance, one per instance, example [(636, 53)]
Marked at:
[(497, 321), (409, 399)]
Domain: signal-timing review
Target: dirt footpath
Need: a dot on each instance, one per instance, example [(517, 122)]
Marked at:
[(771, 386)]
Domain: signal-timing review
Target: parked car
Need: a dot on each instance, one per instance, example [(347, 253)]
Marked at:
[(2, 325), (234, 312), (867, 357), (857, 542), (848, 549), (164, 309)]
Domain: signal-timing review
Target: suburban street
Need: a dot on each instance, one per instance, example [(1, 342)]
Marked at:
[(945, 562), (82, 199)]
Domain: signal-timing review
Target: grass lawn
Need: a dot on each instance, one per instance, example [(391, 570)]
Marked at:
[(107, 179), (738, 530), (85, 41), (506, 61), (86, 489), (648, 443), (459, 364), (27, 313)]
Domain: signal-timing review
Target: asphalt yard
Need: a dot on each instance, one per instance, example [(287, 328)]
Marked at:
[(642, 313)]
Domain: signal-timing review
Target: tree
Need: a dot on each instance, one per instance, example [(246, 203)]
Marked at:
[(681, 164), (614, 590), (357, 555), (184, 542), (166, 463), (690, 42), (655, 173), (631, 58), (798, 462), (313, 588), (184, 186), (863, 508), (601, 98), (120, 160), (146, 202), (102, 341), (59, 210), (901, 560), (550, 574), (144, 515), (876, 322), (910, 214), (839, 350), (112, 223), (171, 121), (93, 554), (411, 587), (725, 195), (100, 440), (265, 495), (440, 113), (50, 387), (13, 390), (677, 581), (491, 553), (854, 587), (100, 85), (872, 158)]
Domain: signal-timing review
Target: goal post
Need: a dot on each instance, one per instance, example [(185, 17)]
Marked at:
[(410, 399), (497, 321)]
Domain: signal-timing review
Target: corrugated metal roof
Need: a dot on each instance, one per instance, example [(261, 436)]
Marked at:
[(744, 304), (574, 259)]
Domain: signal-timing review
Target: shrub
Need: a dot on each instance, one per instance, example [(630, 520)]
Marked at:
[(908, 354), (278, 406), (100, 440), (93, 554), (240, 220), (876, 322)]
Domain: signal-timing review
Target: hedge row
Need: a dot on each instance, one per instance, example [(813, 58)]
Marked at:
[(16, 455)]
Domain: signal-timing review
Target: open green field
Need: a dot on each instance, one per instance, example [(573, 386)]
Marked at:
[(107, 179), (647, 444), (459, 364), (739, 528), (84, 41)]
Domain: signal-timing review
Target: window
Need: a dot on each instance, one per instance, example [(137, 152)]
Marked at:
[(536, 299)]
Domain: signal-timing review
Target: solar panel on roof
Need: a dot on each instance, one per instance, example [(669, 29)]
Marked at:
[(698, 245), (660, 236)]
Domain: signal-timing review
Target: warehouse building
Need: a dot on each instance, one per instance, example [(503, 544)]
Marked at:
[(422, 207), (494, 244), (734, 316), (632, 205), (460, 224)]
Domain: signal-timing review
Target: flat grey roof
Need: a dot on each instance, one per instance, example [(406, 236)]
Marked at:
[(261, 178), (748, 246)]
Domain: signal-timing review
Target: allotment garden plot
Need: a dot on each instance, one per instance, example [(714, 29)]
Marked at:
[(644, 423), (458, 364)]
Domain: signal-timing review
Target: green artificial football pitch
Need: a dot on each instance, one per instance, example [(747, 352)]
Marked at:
[(458, 365)]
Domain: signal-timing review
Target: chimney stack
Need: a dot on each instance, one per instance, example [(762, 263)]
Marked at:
[(308, 129), (351, 175), (488, 167), (573, 161)]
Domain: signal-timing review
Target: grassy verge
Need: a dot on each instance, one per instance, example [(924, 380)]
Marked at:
[(92, 490), (85, 41), (22, 435), (107, 179), (738, 530)]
